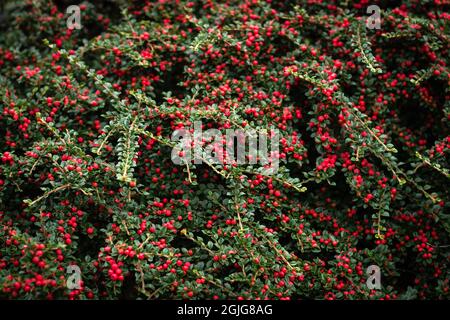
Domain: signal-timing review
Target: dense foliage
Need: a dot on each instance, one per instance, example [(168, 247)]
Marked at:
[(86, 176)]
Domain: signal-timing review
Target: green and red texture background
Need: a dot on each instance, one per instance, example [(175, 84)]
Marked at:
[(86, 177)]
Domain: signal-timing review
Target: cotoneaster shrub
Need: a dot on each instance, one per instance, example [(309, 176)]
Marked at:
[(86, 176)]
